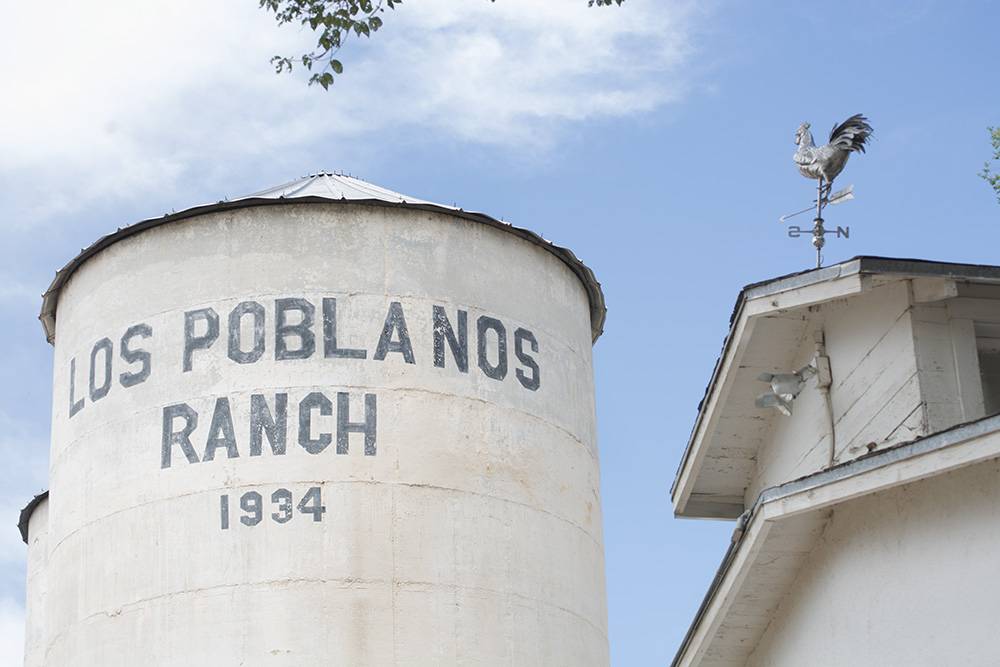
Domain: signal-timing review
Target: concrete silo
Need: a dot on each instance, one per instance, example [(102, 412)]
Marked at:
[(322, 424)]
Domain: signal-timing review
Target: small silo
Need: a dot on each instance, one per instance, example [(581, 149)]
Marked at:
[(325, 424)]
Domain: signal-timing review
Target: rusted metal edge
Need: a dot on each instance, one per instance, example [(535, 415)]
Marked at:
[(595, 295), (22, 521), (872, 461), (863, 264)]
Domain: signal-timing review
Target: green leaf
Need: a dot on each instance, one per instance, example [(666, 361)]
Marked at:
[(334, 21), (325, 80)]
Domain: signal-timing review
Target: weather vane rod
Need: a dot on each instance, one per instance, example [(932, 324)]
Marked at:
[(824, 164)]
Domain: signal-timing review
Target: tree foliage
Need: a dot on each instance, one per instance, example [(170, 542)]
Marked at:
[(987, 174), (336, 21)]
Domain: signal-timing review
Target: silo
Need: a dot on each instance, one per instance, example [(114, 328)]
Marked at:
[(325, 424), (33, 525)]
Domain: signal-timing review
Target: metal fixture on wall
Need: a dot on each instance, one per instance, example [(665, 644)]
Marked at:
[(784, 388)]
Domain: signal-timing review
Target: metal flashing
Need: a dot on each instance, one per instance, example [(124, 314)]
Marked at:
[(327, 188), (882, 458)]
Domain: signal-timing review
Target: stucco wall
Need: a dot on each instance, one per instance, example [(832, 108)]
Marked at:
[(901, 578), (470, 533)]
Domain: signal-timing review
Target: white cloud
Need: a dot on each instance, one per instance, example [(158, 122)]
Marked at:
[(12, 290), (118, 99), (24, 475), (11, 632), (500, 72)]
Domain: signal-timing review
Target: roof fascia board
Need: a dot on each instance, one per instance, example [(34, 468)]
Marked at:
[(980, 273), (722, 382), (805, 279), (807, 295), (739, 560)]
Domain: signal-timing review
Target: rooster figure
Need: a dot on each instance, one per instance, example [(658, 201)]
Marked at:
[(826, 162)]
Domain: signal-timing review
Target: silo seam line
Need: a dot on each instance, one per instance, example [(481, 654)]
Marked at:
[(312, 581)]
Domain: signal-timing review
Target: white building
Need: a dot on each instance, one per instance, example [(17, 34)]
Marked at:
[(867, 521)]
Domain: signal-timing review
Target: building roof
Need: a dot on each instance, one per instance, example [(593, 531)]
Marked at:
[(767, 320), (326, 188)]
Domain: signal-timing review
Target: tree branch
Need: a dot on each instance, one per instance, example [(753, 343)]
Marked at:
[(336, 21)]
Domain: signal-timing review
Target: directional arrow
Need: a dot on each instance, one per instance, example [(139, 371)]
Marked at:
[(838, 197)]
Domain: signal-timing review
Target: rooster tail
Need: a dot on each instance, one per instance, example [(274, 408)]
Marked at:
[(851, 135)]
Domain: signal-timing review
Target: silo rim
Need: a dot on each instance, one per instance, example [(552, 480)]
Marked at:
[(595, 295), (25, 517)]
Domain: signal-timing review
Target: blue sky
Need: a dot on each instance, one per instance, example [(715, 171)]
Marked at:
[(654, 140)]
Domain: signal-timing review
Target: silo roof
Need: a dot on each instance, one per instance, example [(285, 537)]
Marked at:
[(26, 512), (323, 188)]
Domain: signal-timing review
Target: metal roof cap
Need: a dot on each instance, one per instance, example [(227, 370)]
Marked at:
[(324, 188)]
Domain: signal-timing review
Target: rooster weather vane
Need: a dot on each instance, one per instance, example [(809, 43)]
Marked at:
[(824, 164)]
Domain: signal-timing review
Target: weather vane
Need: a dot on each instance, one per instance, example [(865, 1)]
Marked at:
[(824, 163)]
